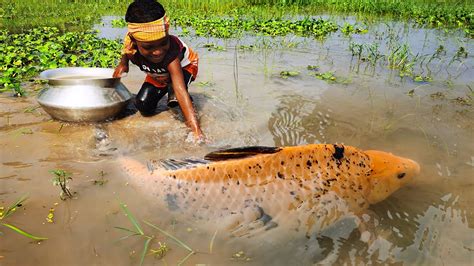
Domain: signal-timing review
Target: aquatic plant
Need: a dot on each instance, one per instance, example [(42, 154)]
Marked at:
[(287, 74), (327, 76), (348, 28), (81, 15), (24, 55), (138, 231), (400, 58), (356, 49), (61, 178), (421, 78), (6, 212), (213, 46), (119, 23)]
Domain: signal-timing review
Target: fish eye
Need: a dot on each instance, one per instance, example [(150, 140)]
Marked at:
[(401, 175)]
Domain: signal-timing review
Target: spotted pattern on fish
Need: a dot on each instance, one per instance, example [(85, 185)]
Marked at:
[(300, 189)]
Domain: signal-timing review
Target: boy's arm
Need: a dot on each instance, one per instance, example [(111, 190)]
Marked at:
[(122, 66), (184, 100)]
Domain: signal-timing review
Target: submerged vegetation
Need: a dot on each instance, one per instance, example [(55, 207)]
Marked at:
[(61, 178), (6, 212), (149, 240)]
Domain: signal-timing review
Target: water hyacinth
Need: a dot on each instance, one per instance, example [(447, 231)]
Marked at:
[(232, 27), (24, 55)]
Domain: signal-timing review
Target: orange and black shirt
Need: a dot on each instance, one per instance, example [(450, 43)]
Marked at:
[(156, 71)]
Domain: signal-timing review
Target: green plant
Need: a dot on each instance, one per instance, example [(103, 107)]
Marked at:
[(81, 15), (24, 55), (287, 74), (420, 78), (119, 23), (6, 212), (348, 29), (356, 49), (61, 179), (213, 46), (138, 231), (327, 76)]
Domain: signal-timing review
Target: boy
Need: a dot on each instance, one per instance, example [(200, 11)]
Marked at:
[(163, 57)]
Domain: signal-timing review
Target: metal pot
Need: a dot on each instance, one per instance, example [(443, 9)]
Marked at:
[(81, 94)]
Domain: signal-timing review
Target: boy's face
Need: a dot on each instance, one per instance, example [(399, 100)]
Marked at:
[(154, 51)]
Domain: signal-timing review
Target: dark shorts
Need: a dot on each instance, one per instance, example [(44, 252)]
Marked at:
[(148, 97)]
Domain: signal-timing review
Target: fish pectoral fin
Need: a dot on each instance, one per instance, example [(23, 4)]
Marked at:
[(175, 164), (239, 153), (255, 221)]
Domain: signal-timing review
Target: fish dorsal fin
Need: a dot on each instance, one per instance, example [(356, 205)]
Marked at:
[(174, 164), (239, 153)]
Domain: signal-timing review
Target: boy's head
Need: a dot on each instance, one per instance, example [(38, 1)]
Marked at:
[(142, 11), (148, 28)]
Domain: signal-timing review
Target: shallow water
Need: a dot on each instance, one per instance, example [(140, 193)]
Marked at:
[(242, 100)]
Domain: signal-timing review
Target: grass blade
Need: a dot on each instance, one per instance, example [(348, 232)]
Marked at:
[(21, 232), (127, 236), (170, 236), (145, 250), (185, 258), (127, 230), (131, 218), (12, 207), (211, 244)]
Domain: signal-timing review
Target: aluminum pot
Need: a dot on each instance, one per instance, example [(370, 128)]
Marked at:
[(80, 94)]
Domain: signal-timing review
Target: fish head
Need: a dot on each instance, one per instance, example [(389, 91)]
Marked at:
[(389, 173)]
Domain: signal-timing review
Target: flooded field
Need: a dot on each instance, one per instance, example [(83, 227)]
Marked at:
[(259, 91)]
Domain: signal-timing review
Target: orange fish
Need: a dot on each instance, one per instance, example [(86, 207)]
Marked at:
[(256, 189)]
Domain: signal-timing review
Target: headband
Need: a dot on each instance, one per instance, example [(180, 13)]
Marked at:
[(145, 32)]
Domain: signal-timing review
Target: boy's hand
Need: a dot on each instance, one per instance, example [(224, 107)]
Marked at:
[(200, 139), (196, 138), (121, 68)]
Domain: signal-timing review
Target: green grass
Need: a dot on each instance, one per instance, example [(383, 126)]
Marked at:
[(19, 15), (138, 231), (28, 47), (6, 212)]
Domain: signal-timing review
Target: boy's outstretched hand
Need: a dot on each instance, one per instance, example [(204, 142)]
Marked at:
[(122, 67), (119, 70), (197, 138)]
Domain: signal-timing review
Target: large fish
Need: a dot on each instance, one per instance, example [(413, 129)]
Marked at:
[(298, 189)]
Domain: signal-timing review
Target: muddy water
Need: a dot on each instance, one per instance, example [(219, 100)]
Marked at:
[(242, 100)]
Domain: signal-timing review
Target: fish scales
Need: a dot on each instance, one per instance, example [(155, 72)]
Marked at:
[(314, 184)]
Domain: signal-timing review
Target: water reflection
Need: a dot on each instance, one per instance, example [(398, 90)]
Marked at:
[(286, 122)]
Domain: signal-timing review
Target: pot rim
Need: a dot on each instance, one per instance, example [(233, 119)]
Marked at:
[(86, 75)]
